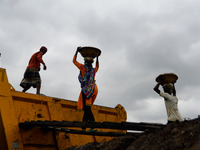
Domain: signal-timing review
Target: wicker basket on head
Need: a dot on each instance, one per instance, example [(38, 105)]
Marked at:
[(90, 52), (167, 78)]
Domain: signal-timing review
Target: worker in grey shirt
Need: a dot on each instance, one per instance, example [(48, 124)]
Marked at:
[(171, 101)]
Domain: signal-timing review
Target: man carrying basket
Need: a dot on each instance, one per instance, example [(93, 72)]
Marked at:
[(169, 95)]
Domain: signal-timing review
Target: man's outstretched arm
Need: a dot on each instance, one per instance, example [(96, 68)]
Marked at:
[(156, 88)]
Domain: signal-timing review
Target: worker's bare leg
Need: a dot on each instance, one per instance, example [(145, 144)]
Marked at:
[(38, 86)]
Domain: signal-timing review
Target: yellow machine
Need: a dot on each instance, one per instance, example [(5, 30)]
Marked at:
[(17, 107)]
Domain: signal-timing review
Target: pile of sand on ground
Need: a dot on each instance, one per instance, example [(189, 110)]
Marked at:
[(175, 136)]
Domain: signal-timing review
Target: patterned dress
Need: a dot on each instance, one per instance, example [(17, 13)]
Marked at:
[(88, 85), (31, 75)]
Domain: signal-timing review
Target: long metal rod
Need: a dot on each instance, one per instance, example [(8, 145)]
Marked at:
[(103, 125), (96, 133)]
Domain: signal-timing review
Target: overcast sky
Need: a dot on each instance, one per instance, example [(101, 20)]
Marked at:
[(139, 40)]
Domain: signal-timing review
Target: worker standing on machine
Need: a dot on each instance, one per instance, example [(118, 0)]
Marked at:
[(31, 75), (89, 89)]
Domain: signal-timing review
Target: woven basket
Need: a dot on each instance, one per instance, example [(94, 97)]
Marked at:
[(90, 52), (167, 78)]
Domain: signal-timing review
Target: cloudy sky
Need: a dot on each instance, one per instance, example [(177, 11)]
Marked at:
[(139, 40)]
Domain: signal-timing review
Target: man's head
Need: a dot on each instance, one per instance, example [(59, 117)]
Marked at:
[(88, 60), (168, 88), (43, 49)]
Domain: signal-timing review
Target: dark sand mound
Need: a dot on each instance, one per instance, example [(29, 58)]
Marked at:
[(175, 136)]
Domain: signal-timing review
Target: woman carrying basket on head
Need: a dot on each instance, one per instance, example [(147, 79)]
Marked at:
[(89, 89)]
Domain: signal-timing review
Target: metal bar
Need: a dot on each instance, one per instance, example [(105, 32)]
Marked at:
[(104, 125), (95, 133)]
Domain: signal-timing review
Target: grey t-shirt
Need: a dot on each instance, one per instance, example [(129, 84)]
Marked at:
[(171, 104)]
